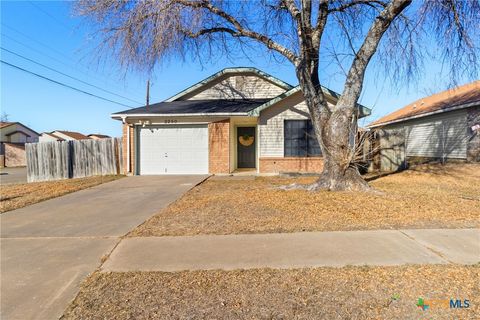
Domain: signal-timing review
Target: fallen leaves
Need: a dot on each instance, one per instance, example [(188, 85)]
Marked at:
[(319, 293), (427, 197), (14, 196)]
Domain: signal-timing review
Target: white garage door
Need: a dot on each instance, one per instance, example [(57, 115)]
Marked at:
[(179, 149)]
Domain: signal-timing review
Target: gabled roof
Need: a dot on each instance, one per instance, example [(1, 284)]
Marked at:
[(217, 107), (248, 107), (98, 135), (227, 71), (364, 111), (448, 100), (5, 124), (73, 134), (53, 136), (17, 131)]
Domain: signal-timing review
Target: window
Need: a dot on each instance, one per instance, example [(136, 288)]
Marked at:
[(300, 139)]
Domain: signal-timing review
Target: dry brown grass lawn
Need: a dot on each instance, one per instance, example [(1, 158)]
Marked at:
[(428, 197), (14, 196), (320, 293)]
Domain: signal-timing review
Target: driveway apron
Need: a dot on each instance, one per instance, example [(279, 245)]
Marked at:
[(48, 249)]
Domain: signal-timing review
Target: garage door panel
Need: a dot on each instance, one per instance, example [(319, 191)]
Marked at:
[(173, 149)]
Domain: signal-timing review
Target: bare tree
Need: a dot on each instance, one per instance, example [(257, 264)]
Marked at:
[(4, 117), (307, 33)]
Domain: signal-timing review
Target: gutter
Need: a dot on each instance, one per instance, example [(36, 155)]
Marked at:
[(120, 116), (462, 106), (329, 93)]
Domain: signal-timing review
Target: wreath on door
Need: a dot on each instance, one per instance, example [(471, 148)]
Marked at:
[(246, 140)]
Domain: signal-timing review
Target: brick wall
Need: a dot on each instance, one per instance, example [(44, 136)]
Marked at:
[(128, 130), (278, 165), (15, 155), (218, 145)]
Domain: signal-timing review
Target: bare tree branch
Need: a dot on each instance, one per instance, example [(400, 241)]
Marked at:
[(241, 30), (354, 82), (345, 6)]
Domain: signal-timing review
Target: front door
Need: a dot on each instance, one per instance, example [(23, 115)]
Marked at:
[(246, 147)]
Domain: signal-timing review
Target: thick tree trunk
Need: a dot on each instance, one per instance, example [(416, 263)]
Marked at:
[(336, 137), (335, 129), (336, 126)]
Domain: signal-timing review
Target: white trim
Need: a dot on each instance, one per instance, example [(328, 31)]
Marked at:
[(128, 149), (328, 93), (140, 170), (245, 70), (462, 106), (140, 115)]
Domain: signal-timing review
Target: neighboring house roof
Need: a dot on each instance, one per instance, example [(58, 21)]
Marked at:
[(73, 134), (448, 100), (364, 111), (53, 136), (5, 124), (98, 135), (17, 131), (226, 71), (218, 107)]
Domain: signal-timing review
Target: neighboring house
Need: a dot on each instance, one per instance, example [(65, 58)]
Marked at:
[(443, 126), (237, 119), (13, 136), (48, 137), (97, 136), (61, 135)]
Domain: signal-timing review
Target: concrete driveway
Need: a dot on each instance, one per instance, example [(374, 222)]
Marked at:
[(13, 175), (47, 249)]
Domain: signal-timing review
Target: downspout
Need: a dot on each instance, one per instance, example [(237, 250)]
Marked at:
[(128, 149), (128, 145)]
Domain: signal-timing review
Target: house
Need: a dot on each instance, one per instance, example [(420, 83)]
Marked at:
[(13, 136), (61, 135), (237, 119), (443, 126), (48, 137), (97, 136)]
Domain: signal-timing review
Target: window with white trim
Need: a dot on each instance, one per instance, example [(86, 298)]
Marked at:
[(300, 139)]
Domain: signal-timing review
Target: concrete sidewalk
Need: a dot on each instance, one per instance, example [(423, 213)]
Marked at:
[(296, 250), (47, 249)]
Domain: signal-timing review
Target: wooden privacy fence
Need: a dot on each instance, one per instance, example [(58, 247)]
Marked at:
[(73, 159)]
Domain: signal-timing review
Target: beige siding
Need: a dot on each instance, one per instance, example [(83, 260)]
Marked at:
[(237, 87), (44, 137), (17, 137), (442, 135), (63, 136), (272, 121)]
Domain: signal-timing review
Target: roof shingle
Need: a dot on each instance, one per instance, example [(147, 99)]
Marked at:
[(466, 94), (198, 107), (73, 134)]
